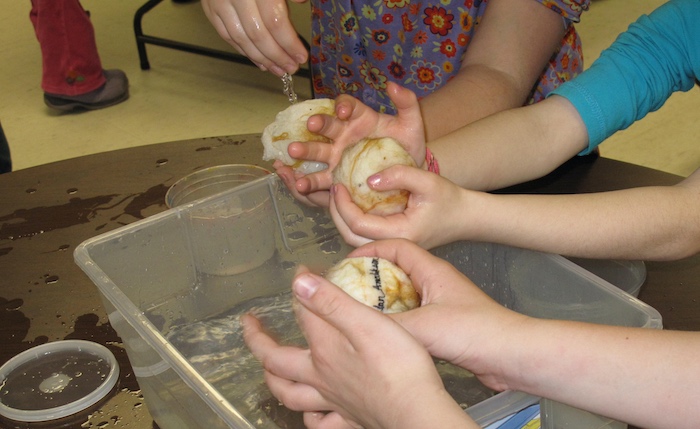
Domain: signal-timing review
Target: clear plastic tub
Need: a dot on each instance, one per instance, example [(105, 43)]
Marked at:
[(627, 275), (211, 181), (179, 326)]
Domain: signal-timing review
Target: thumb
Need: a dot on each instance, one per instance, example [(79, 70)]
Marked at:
[(407, 109), (405, 101), (411, 179), (322, 299)]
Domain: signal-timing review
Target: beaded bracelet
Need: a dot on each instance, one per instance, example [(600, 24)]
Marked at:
[(433, 165)]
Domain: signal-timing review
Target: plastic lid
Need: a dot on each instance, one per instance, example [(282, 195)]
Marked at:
[(56, 380)]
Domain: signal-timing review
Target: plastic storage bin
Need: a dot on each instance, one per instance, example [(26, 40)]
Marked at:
[(172, 292), (627, 275)]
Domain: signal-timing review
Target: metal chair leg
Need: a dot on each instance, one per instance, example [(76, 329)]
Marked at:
[(138, 31)]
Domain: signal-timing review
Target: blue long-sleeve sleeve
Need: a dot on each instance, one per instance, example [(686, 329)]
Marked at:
[(658, 55)]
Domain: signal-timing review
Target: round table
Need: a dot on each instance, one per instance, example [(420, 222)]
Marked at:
[(46, 211)]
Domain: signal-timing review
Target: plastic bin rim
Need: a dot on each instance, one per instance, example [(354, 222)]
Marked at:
[(655, 320)]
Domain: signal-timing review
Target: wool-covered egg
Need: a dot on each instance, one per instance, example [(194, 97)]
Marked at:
[(290, 126), (376, 282), (365, 158)]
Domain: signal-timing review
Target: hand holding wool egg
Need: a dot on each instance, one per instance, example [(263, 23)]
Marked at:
[(357, 162), (290, 126)]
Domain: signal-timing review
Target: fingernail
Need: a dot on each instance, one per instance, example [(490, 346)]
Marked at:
[(291, 68), (301, 59), (305, 286), (374, 180), (276, 70)]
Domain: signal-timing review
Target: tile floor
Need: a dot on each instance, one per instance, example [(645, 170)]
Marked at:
[(187, 96)]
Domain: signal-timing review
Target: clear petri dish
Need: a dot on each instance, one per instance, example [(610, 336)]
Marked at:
[(56, 380)]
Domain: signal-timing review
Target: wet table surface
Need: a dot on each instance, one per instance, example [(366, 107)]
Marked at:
[(46, 211)]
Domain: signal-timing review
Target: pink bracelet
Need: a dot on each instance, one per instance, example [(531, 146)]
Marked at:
[(433, 165)]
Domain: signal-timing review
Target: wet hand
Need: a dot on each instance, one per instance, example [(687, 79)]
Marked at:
[(260, 30)]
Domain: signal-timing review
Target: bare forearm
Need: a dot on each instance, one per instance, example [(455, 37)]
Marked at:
[(475, 93), (651, 223), (432, 410), (510, 48), (642, 376), (513, 146)]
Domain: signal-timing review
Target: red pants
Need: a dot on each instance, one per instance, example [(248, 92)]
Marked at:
[(71, 64)]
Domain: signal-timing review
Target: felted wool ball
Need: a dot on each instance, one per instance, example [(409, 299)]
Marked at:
[(290, 126), (375, 282), (365, 158)]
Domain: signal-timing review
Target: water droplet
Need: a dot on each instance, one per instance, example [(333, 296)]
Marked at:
[(63, 247), (72, 191), (161, 161), (51, 280), (31, 190)]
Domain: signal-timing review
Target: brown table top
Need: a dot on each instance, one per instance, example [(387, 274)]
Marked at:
[(46, 211)]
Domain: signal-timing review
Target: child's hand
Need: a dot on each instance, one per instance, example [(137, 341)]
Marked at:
[(354, 122), (435, 213), (456, 321), (290, 177), (361, 367)]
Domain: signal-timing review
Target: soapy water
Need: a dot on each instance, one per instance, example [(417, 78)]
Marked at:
[(215, 348)]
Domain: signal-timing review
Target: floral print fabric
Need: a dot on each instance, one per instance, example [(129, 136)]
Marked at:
[(357, 47)]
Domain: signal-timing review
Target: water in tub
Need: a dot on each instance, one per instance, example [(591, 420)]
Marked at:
[(215, 347)]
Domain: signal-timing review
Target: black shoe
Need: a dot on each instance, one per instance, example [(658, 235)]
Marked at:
[(114, 91)]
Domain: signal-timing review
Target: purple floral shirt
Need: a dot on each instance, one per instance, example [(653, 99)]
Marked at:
[(357, 47)]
